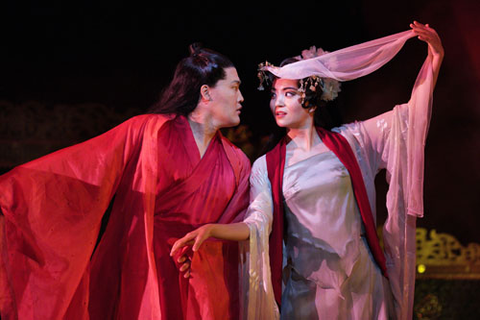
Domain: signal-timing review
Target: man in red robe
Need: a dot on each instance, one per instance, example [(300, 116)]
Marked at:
[(166, 173)]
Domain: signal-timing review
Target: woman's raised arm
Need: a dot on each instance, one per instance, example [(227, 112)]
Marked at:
[(435, 48)]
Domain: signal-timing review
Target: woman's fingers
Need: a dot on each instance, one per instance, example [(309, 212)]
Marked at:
[(198, 242), (429, 35), (182, 242), (196, 237), (421, 29)]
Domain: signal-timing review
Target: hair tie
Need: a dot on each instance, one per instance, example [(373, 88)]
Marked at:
[(195, 49)]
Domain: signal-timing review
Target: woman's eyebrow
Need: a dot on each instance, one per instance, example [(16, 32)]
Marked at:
[(285, 88)]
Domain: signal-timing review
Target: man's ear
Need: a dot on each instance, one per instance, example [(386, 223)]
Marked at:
[(205, 93)]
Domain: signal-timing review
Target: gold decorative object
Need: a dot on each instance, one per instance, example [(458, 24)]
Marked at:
[(442, 256)]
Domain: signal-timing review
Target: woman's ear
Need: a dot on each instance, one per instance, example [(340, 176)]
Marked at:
[(205, 93)]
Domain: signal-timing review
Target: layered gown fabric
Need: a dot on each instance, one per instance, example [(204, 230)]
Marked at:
[(149, 171), (329, 271)]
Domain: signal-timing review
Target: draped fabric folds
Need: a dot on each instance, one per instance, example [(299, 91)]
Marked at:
[(275, 165), (393, 141), (51, 265)]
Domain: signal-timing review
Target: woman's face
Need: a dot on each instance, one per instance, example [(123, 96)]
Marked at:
[(226, 98), (286, 105)]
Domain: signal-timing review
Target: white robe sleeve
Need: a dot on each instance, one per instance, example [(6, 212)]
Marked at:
[(260, 302), (395, 141)]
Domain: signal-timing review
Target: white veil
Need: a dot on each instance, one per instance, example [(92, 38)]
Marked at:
[(348, 63)]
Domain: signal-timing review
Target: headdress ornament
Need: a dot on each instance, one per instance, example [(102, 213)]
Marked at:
[(330, 87)]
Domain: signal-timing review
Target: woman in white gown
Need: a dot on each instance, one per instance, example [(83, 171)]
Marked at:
[(332, 265)]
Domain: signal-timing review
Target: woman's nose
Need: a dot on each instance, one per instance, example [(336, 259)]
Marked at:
[(279, 101)]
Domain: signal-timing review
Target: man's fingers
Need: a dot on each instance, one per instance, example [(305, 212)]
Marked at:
[(185, 266)]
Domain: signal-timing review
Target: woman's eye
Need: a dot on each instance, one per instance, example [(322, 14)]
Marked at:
[(290, 94), (273, 95)]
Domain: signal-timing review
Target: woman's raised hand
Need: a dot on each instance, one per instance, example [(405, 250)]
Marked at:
[(435, 48), (430, 36)]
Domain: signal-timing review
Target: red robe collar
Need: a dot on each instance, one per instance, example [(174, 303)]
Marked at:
[(275, 166)]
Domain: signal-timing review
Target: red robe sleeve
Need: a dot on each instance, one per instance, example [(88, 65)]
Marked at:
[(51, 214)]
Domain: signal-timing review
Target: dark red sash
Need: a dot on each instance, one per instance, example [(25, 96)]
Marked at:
[(275, 165)]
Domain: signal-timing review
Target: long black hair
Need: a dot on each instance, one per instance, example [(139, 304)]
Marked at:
[(203, 67)]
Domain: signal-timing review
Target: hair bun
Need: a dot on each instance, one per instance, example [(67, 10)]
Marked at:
[(195, 48)]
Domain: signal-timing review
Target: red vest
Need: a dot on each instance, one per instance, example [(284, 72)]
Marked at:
[(275, 165)]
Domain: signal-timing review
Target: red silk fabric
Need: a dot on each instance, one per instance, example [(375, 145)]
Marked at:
[(151, 169), (275, 165)]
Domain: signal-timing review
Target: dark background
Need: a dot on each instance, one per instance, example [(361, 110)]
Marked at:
[(122, 55)]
